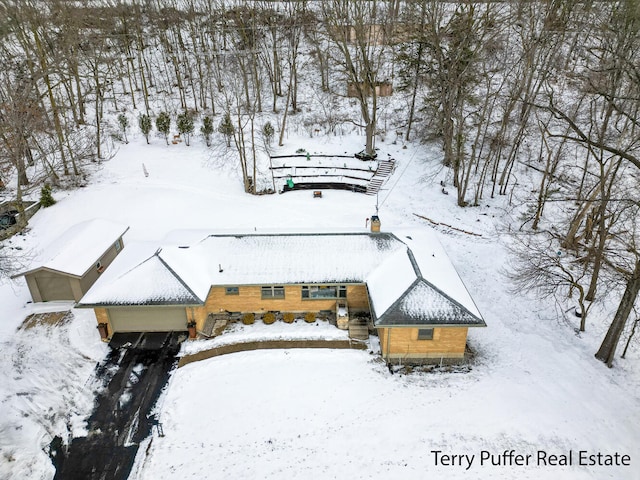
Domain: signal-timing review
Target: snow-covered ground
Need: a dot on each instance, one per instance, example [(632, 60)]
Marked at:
[(535, 385)]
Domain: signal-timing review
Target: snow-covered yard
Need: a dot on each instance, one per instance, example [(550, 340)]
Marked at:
[(534, 386), (341, 414)]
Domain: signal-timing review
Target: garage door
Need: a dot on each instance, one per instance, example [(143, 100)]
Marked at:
[(146, 319), (54, 287)]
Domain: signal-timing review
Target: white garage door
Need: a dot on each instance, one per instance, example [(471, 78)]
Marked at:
[(54, 287), (148, 319)]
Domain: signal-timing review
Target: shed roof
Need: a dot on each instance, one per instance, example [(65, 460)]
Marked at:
[(78, 248)]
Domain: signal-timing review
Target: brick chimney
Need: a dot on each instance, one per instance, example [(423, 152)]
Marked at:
[(375, 223)]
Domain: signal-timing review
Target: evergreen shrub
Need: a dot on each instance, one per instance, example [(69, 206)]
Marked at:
[(46, 199), (268, 318)]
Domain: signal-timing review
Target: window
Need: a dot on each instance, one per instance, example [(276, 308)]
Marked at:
[(425, 334), (324, 291), (99, 267), (232, 291), (118, 245), (273, 292)]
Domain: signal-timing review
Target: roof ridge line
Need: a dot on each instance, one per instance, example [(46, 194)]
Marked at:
[(452, 300), (177, 277), (402, 295), (420, 278), (296, 234)]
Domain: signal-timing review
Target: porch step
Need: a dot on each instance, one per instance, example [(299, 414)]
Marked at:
[(358, 328), (214, 325), (219, 326), (359, 332)]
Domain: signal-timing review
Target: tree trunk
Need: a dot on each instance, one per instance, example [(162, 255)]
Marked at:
[(608, 348)]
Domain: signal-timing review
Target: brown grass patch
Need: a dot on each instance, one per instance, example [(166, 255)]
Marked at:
[(50, 319)]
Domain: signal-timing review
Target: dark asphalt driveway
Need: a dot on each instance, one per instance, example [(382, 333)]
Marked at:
[(133, 375)]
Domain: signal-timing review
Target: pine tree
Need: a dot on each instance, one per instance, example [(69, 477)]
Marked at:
[(145, 125), (268, 132), (124, 123), (207, 129), (46, 199), (226, 128), (185, 126), (163, 124)]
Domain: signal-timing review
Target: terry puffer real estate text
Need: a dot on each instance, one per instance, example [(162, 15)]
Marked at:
[(542, 458)]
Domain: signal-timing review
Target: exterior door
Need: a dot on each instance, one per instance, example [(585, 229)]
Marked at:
[(148, 319), (54, 287)]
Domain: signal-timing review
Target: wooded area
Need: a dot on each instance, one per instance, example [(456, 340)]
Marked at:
[(504, 87)]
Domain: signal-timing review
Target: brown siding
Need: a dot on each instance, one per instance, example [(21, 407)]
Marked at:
[(33, 287), (250, 300), (92, 275), (76, 288), (102, 317), (447, 342)]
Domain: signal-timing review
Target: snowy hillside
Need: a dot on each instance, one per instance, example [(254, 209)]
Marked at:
[(534, 384)]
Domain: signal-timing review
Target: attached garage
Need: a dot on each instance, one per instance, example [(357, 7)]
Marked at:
[(147, 319)]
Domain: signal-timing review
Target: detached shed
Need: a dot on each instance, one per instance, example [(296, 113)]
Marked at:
[(73, 262)]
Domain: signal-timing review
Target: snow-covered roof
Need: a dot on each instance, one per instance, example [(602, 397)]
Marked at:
[(400, 282), (149, 283), (423, 304), (279, 259), (435, 267), (390, 280), (420, 286), (78, 248)]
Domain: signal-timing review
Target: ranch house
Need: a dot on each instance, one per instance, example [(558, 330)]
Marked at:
[(402, 284)]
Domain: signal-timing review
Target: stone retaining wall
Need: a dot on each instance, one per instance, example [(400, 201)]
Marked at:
[(269, 345)]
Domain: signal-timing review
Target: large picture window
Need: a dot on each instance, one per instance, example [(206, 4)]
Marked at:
[(273, 292), (324, 291)]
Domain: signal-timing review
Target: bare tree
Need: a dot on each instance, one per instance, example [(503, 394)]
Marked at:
[(356, 30), (541, 265)]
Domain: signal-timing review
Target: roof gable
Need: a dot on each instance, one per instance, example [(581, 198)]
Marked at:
[(423, 305), (151, 282)]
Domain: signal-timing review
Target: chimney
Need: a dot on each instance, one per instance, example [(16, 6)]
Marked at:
[(375, 223)]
